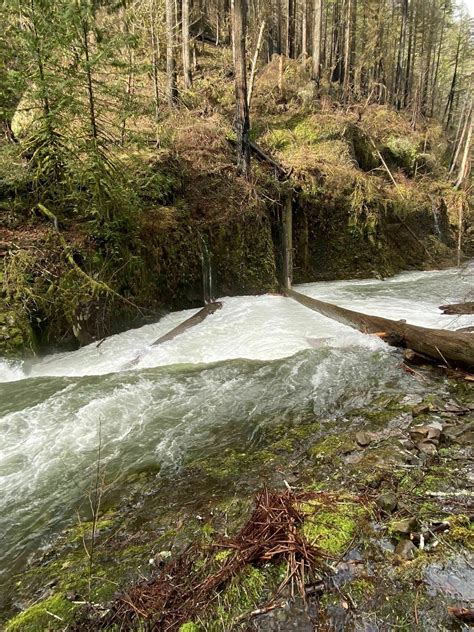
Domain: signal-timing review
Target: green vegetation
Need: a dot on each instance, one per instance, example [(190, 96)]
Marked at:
[(53, 613), (331, 524)]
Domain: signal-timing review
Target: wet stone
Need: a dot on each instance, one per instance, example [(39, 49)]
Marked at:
[(453, 578), (427, 432), (420, 409), (425, 447)]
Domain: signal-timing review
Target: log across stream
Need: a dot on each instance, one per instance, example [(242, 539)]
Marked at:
[(453, 348), (194, 320)]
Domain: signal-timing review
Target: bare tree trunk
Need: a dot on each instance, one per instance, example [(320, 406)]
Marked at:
[(154, 57), (448, 346), (242, 122), (290, 29), (464, 168), (460, 223), (440, 46), (304, 34), (188, 78), (287, 241), (254, 61), (401, 55), (316, 70), (461, 132), (170, 60), (410, 55), (449, 104), (347, 48)]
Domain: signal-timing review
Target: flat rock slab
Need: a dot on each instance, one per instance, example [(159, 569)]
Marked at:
[(454, 578)]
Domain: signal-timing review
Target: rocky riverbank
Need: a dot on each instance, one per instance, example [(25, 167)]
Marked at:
[(388, 509)]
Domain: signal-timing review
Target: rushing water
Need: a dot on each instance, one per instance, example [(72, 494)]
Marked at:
[(249, 365)]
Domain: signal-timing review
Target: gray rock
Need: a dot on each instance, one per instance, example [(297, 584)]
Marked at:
[(387, 502), (406, 550), (426, 447), (407, 525), (363, 438)]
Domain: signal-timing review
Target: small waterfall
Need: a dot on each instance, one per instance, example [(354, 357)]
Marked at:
[(437, 227), (206, 260)]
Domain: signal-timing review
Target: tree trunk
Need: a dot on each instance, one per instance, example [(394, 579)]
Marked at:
[(154, 58), (440, 46), (464, 168), (188, 78), (399, 73), (290, 29), (304, 34), (242, 122), (316, 68), (170, 60), (287, 241), (254, 61), (347, 48), (443, 346), (449, 104)]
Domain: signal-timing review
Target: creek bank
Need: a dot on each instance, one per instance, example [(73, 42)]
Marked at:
[(71, 276), (391, 516)]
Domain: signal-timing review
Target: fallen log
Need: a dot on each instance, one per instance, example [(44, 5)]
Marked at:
[(458, 308), (190, 322), (452, 348), (261, 156), (176, 331)]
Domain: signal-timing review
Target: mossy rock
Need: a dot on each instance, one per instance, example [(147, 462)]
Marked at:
[(331, 523), (400, 153), (53, 613), (16, 334)]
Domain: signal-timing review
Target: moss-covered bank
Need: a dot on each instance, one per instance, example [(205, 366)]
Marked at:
[(73, 273)]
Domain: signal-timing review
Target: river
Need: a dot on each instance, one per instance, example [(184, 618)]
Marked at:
[(251, 364)]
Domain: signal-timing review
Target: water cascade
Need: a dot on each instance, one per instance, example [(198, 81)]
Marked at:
[(220, 384)]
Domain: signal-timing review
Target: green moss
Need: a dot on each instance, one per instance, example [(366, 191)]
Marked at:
[(241, 596), (331, 446), (83, 530), (331, 525), (221, 556), (53, 613), (305, 132), (401, 152), (360, 589), (189, 626), (461, 531)]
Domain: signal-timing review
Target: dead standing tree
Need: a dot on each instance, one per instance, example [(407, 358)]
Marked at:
[(242, 119)]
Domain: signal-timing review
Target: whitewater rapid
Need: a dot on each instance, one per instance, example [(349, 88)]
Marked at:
[(266, 327), (256, 362)]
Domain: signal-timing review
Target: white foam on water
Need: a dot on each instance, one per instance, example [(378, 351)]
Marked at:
[(176, 399)]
